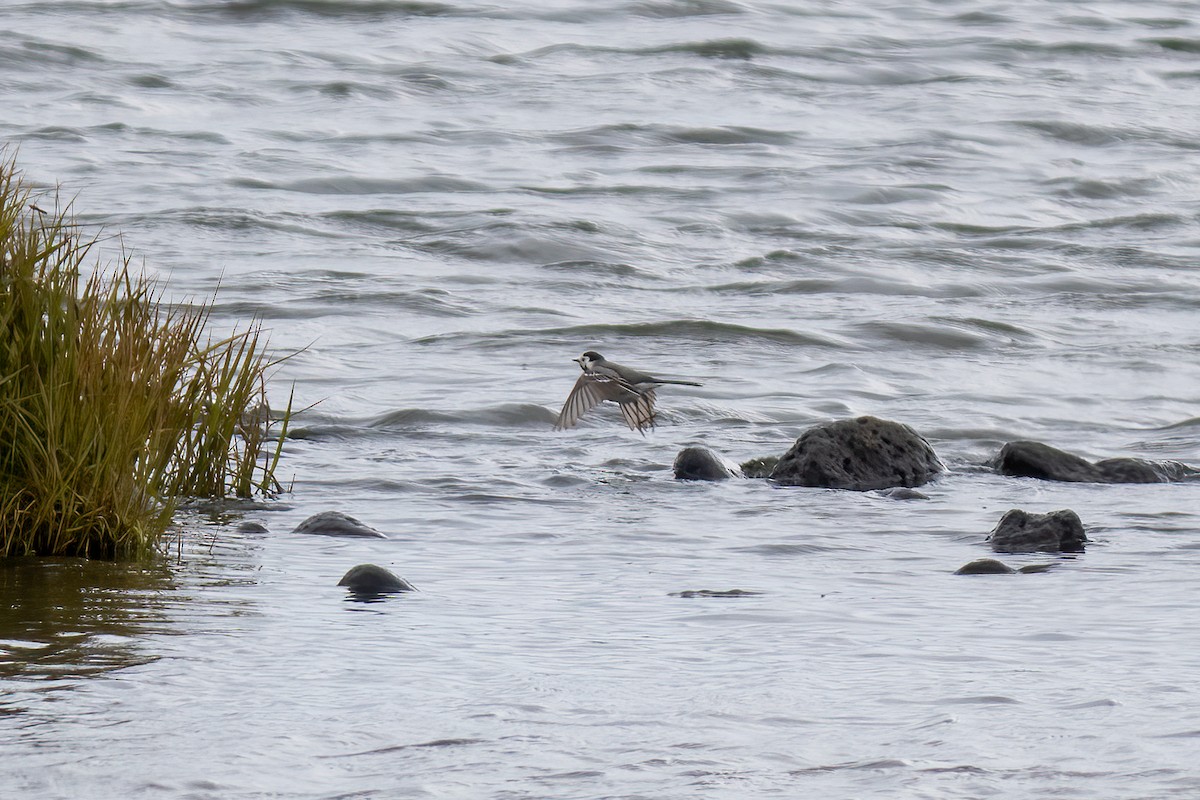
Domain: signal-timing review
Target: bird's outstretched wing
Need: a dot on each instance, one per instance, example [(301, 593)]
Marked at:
[(592, 388), (639, 411)]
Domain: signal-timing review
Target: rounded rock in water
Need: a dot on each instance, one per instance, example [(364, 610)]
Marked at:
[(985, 566), (335, 523), (374, 579), (702, 464), (1021, 532), (861, 454)]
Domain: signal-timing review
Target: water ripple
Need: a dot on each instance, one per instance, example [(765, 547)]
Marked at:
[(693, 330), (976, 221)]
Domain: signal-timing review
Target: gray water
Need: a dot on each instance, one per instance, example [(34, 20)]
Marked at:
[(979, 219)]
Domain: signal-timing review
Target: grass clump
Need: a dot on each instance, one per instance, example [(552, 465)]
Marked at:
[(113, 403)]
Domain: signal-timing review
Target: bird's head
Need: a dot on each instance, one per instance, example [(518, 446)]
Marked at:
[(589, 358)]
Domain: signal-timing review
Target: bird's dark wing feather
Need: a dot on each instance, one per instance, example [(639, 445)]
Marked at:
[(639, 411), (589, 391)]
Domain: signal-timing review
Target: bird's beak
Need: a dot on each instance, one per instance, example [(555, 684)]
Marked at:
[(578, 360)]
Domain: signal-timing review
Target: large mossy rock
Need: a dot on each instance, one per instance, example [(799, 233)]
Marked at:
[(1026, 459), (759, 467), (860, 454), (1021, 532)]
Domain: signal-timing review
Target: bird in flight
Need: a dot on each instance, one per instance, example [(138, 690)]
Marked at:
[(602, 380)]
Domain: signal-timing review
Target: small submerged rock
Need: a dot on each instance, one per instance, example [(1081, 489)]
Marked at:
[(903, 493), (251, 526), (859, 454), (1026, 459), (990, 566), (373, 579), (985, 566), (335, 523), (1021, 532), (702, 464), (714, 593)]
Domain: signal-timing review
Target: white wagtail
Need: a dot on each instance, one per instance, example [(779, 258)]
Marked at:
[(603, 380)]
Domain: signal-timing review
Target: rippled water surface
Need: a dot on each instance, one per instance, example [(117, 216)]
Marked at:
[(979, 219)]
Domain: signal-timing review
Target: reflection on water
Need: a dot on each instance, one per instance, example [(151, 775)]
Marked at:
[(62, 619), (67, 618)]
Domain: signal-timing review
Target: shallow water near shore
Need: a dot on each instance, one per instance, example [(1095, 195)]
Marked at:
[(979, 220)]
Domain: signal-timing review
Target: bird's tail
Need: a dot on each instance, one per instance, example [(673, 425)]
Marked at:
[(680, 383)]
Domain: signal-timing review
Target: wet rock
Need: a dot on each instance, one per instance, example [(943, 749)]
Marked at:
[(335, 523), (985, 566), (1037, 460), (1139, 470), (1021, 532), (990, 566), (250, 526), (903, 493), (702, 464), (860, 454), (714, 593), (373, 579), (1027, 459), (759, 467)]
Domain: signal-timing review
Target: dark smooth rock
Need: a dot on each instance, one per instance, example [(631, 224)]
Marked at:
[(1021, 532), (702, 464), (372, 579), (1139, 470), (1036, 460), (985, 566), (250, 526), (861, 454), (759, 467), (335, 523)]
